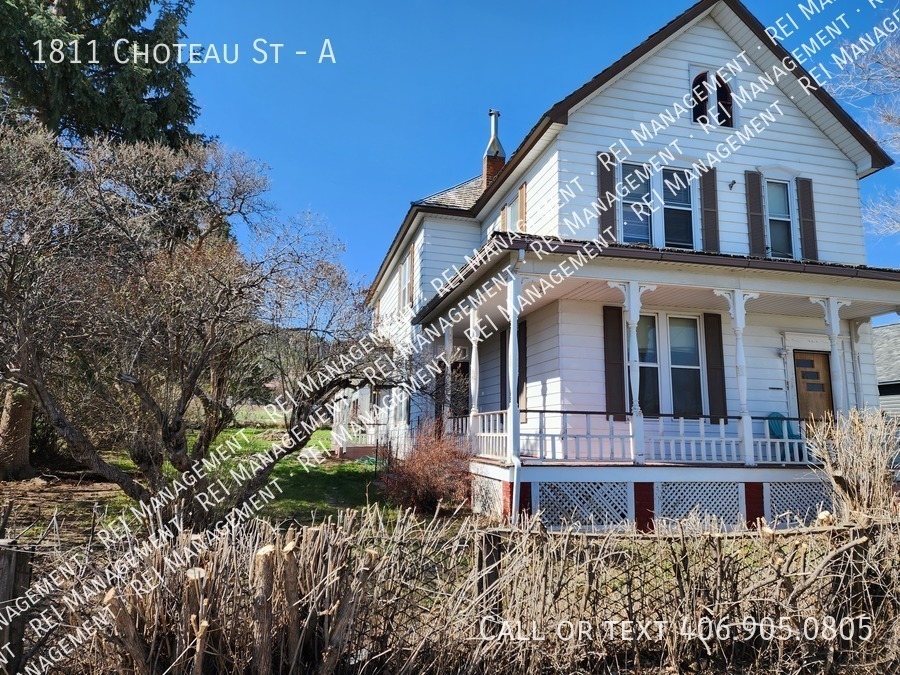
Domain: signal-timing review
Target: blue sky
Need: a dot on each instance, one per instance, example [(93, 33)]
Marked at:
[(403, 111)]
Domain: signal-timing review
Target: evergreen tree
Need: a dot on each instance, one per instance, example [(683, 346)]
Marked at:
[(143, 101)]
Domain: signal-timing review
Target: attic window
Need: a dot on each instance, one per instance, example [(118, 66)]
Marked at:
[(711, 99), (700, 96), (725, 103)]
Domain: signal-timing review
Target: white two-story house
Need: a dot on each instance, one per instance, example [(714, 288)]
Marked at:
[(653, 295)]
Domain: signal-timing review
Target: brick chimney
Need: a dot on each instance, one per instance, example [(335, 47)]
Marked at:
[(494, 156)]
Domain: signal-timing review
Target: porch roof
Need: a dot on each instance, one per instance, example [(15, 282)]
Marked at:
[(465, 279)]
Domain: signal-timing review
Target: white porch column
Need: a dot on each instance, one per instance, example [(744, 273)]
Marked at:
[(832, 307), (448, 371), (855, 326), (632, 291), (512, 364), (474, 334), (737, 300)]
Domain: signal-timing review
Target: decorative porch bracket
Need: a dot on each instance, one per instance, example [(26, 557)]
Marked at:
[(832, 308), (632, 291), (737, 301)]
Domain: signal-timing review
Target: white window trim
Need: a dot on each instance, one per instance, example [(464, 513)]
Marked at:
[(664, 358), (779, 177), (713, 101), (657, 187)]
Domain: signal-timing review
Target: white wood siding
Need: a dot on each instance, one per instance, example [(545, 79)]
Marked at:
[(581, 355), (446, 243), (891, 405), (793, 142), (543, 353), (542, 201)]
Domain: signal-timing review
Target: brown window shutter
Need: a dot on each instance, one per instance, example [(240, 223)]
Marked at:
[(614, 357), (756, 220), (709, 211), (412, 272), (400, 288), (606, 184), (503, 226), (522, 376), (715, 366), (504, 375), (809, 245), (522, 209)]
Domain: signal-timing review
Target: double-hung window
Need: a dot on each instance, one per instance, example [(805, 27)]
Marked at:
[(637, 220), (403, 299), (684, 357), (659, 208), (648, 355), (671, 370), (779, 221)]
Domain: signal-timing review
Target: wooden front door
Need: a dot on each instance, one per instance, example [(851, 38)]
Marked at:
[(812, 372)]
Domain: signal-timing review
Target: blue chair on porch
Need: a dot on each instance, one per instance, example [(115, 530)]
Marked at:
[(777, 425)]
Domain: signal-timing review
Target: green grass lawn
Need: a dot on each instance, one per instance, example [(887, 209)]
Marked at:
[(310, 491)]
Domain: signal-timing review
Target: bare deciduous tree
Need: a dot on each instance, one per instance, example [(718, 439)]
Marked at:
[(129, 310), (872, 82)]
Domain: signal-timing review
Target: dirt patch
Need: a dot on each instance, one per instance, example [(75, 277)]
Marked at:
[(71, 498)]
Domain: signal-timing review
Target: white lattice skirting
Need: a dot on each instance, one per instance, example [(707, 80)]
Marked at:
[(487, 496), (785, 501), (589, 505), (723, 501)]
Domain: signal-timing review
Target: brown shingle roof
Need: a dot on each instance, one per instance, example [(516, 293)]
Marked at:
[(462, 196), (887, 352)]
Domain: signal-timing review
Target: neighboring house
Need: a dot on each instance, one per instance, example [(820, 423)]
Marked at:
[(737, 298), (887, 363)]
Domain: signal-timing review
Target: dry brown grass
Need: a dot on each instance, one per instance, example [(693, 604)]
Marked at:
[(363, 594)]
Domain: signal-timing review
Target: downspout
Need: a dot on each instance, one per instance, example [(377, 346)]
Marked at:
[(514, 423)]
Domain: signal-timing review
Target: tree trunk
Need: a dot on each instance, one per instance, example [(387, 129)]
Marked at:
[(15, 434)]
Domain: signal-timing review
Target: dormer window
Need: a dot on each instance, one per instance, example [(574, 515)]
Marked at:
[(711, 93)]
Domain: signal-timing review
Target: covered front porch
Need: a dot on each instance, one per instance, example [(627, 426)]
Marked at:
[(755, 367)]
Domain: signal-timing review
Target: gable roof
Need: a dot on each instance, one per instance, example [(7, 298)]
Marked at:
[(558, 114), (887, 353)]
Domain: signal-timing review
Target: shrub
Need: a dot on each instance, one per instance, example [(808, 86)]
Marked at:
[(858, 452), (434, 470)]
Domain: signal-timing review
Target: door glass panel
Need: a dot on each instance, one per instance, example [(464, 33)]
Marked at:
[(685, 343)]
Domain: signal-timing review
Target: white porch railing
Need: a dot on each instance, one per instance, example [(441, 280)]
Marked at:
[(585, 436), (704, 440), (488, 432), (576, 436), (786, 446)]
